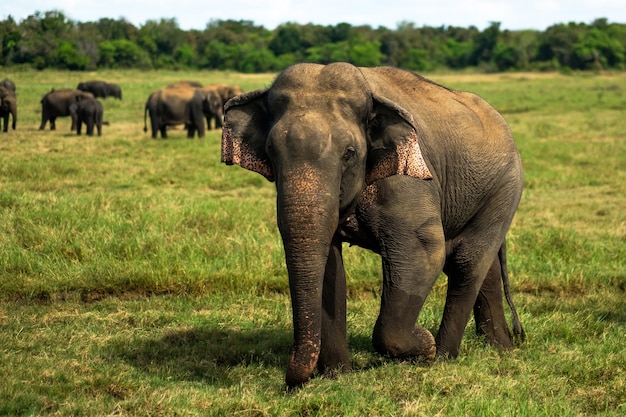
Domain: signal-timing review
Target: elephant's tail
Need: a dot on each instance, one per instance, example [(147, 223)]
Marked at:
[(518, 330)]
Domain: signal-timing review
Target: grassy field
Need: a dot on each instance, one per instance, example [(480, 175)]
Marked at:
[(141, 277)]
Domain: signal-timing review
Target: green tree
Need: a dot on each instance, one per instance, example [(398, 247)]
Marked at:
[(218, 55), (41, 35), (256, 60), (68, 57), (597, 50), (49, 39), (185, 55), (160, 39), (122, 54), (457, 54), (365, 54), (484, 45), (286, 39), (10, 38), (224, 44), (556, 44), (111, 29)]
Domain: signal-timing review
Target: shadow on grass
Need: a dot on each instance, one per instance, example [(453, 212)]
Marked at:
[(207, 354), (213, 355)]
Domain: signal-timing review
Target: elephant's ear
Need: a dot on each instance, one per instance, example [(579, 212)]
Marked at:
[(394, 146), (244, 133)]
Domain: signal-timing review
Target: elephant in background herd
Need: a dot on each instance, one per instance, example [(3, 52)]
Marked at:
[(90, 112), (101, 89), (225, 92), (58, 103), (181, 103), (9, 85), (427, 177), (8, 104), (184, 102)]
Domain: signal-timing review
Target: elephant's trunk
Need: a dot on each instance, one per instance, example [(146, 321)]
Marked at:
[(307, 219)]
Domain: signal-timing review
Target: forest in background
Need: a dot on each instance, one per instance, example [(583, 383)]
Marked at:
[(51, 40)]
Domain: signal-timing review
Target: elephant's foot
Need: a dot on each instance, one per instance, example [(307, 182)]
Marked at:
[(496, 334), (301, 365), (419, 344), (334, 361)]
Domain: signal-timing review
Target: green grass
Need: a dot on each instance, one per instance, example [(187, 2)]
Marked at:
[(142, 277)]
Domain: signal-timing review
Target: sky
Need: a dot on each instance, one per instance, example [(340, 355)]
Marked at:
[(195, 14)]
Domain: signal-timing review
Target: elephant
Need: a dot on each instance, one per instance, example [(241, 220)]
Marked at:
[(57, 103), (8, 107), (212, 107), (226, 92), (185, 83), (175, 106), (426, 176), (89, 111), (101, 89), (9, 85)]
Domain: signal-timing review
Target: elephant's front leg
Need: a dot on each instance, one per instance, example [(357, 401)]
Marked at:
[(406, 284), (404, 218), (334, 355)]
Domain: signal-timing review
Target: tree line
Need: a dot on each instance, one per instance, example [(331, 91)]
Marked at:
[(52, 40)]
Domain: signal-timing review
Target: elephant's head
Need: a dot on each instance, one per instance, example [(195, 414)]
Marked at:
[(322, 135), (8, 104), (211, 103)]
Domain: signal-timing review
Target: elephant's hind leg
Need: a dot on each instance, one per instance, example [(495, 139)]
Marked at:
[(489, 310), (473, 272)]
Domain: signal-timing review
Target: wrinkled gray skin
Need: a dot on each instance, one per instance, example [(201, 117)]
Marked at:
[(90, 112), (427, 177), (101, 89), (175, 106), (56, 103), (8, 107)]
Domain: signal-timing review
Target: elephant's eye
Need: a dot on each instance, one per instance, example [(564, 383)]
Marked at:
[(349, 154)]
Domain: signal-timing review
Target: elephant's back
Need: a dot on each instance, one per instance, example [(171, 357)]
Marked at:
[(460, 119), (177, 94)]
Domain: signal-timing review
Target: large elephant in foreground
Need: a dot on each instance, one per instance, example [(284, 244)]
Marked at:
[(8, 107), (175, 106), (56, 103), (427, 177)]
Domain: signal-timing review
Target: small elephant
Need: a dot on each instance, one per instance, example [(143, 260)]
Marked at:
[(56, 103), (101, 89), (226, 92), (427, 177), (8, 107), (176, 106), (90, 112), (212, 107)]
